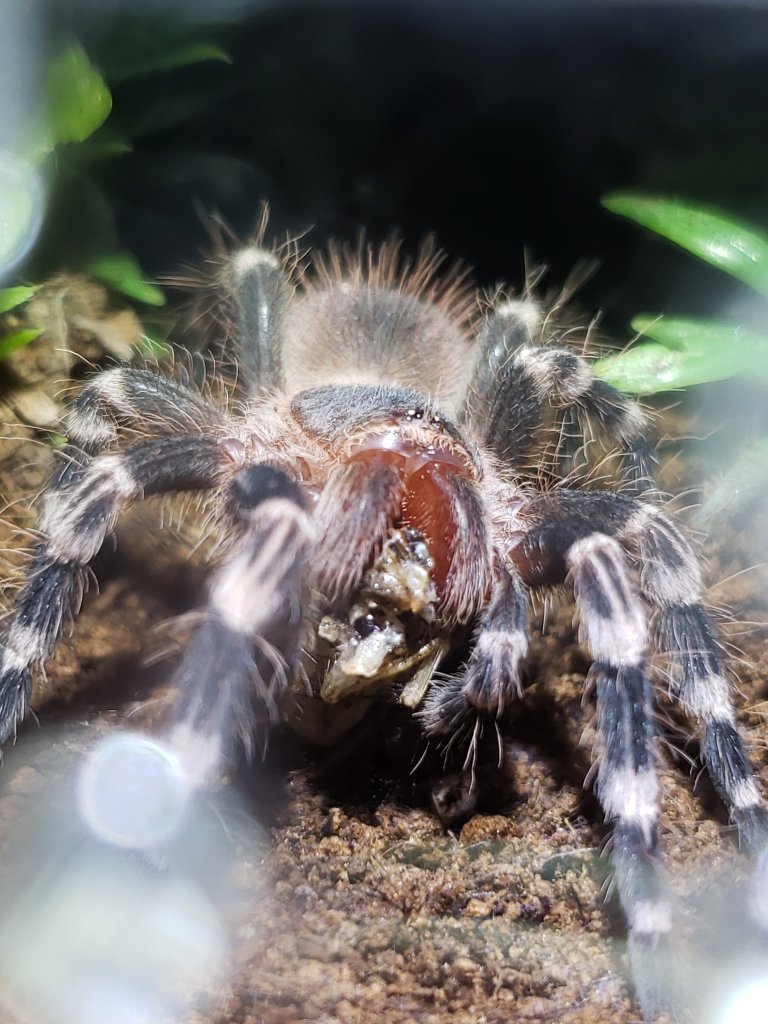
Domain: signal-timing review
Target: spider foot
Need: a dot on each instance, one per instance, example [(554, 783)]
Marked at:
[(455, 798), (15, 687)]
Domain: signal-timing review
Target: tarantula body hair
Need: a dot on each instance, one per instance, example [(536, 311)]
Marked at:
[(381, 511)]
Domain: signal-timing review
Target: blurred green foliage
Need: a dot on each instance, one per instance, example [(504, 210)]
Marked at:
[(10, 298), (122, 272), (77, 98), (76, 131), (683, 352), (724, 241)]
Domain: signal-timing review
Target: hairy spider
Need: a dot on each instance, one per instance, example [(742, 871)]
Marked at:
[(382, 505)]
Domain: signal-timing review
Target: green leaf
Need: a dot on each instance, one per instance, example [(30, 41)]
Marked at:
[(683, 353), (731, 343), (723, 241), (78, 100), (644, 370), (18, 339), (10, 298), (121, 271)]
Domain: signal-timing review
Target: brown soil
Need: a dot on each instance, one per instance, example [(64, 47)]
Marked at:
[(376, 913)]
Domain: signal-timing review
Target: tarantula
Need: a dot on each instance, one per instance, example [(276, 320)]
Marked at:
[(381, 504)]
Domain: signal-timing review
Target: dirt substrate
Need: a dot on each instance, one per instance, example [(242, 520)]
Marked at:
[(361, 906)]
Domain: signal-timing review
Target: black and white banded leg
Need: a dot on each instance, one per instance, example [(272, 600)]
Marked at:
[(457, 710), (672, 581), (515, 381), (613, 627), (243, 656), (138, 400), (491, 678), (74, 523)]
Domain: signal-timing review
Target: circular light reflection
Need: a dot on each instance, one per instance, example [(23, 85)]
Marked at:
[(132, 791)]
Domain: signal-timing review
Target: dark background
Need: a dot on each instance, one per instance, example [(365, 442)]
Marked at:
[(495, 125)]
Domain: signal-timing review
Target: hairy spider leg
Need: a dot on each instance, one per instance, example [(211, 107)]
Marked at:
[(515, 381), (259, 291), (243, 657), (491, 678), (671, 580), (613, 627), (83, 500), (614, 630), (127, 398), (671, 583)]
